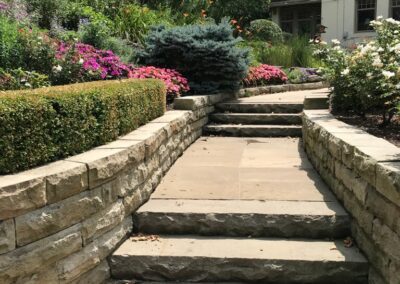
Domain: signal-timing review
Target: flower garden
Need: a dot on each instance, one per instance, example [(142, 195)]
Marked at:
[(194, 47)]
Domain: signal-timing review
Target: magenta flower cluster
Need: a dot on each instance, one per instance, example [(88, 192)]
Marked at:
[(96, 64), (175, 83), (102, 62), (264, 75)]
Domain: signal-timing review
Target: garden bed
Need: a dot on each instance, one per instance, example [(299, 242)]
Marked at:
[(372, 125)]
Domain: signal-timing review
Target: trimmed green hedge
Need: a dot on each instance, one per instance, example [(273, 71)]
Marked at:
[(43, 125)]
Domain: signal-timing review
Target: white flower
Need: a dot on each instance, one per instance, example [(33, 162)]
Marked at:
[(57, 68), (40, 38), (369, 75), (28, 85), (379, 18), (392, 21), (377, 62), (335, 41), (81, 61), (345, 72), (323, 42), (388, 74)]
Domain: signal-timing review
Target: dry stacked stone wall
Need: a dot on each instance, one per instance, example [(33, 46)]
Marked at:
[(364, 173), (59, 222)]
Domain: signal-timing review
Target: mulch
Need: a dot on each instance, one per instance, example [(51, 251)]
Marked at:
[(373, 125)]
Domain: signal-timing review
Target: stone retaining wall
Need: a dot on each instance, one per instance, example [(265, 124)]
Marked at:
[(262, 90), (364, 173), (59, 222)]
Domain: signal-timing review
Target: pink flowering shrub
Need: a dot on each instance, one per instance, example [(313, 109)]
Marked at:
[(264, 75), (80, 62), (175, 83)]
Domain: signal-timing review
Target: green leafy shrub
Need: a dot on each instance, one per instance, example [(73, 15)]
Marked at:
[(242, 11), (207, 55), (266, 30), (366, 79), (46, 12), (133, 21), (43, 125), (17, 79), (296, 52), (11, 49)]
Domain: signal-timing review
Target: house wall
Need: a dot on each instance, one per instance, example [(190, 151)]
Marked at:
[(340, 18)]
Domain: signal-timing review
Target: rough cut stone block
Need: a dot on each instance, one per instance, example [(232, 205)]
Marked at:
[(375, 278), (7, 236), (21, 193), (65, 180), (279, 88), (377, 257), (386, 239), (388, 181), (394, 276), (102, 221), (90, 256), (51, 219), (97, 275), (104, 164), (363, 216), (133, 201), (131, 178), (152, 134), (17, 264), (353, 182), (191, 102), (384, 209)]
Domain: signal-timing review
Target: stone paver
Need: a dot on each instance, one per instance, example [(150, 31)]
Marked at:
[(244, 169)]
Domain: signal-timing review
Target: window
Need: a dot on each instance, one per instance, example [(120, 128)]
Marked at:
[(366, 12), (287, 19), (396, 9)]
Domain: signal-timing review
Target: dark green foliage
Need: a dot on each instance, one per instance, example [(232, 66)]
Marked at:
[(207, 55), (44, 125), (266, 30), (16, 79), (244, 11)]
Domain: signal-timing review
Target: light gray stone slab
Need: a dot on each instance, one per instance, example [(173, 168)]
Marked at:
[(19, 263), (21, 193), (243, 218), (230, 259), (388, 181), (51, 219), (104, 164)]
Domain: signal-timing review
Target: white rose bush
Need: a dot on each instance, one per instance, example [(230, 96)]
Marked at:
[(366, 79)]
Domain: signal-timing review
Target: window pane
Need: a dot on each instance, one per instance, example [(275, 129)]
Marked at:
[(287, 27), (396, 13), (287, 14), (364, 18), (395, 3), (366, 4)]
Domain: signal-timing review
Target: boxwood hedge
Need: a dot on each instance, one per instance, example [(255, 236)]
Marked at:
[(43, 125)]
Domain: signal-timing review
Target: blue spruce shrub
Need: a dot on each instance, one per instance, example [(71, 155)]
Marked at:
[(207, 55)]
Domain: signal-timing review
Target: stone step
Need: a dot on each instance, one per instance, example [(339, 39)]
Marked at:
[(210, 259), (246, 130), (285, 219), (257, 118), (256, 107)]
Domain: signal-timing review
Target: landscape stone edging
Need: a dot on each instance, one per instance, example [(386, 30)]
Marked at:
[(271, 89), (364, 173), (60, 221)]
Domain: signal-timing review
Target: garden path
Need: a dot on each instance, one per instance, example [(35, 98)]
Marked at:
[(242, 209)]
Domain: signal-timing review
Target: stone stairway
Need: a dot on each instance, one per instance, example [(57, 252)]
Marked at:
[(235, 210), (272, 115)]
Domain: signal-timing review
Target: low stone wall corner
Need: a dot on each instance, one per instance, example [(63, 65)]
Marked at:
[(364, 173)]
